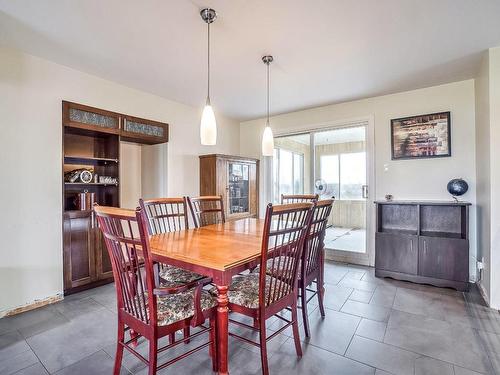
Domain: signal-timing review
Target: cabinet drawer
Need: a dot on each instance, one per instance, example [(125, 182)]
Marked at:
[(444, 258), (396, 252)]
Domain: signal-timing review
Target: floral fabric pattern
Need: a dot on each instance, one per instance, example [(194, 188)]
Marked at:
[(279, 264), (244, 289), (175, 307), (172, 276)]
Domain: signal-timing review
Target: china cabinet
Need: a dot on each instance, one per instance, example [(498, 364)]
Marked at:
[(236, 179)]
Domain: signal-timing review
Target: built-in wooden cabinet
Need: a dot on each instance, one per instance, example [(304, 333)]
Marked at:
[(78, 249), (424, 242), (236, 179), (91, 141), (86, 260)]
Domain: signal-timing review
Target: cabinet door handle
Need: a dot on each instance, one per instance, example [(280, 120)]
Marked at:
[(425, 246), (411, 246)]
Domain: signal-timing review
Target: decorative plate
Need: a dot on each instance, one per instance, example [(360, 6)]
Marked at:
[(86, 176)]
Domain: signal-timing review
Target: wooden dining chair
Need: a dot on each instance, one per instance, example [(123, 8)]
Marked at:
[(147, 310), (298, 198), (313, 257), (313, 260), (207, 210), (169, 215), (263, 295)]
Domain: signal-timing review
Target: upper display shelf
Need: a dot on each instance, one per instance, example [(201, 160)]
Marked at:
[(131, 129)]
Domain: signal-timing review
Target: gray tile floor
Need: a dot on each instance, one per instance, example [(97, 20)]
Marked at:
[(372, 326)]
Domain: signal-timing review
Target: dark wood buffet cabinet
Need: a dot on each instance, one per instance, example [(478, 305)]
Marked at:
[(91, 142), (424, 242)]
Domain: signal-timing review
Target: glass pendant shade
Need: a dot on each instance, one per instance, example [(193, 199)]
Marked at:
[(208, 126), (267, 141), (267, 137)]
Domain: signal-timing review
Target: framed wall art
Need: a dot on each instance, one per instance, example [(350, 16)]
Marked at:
[(424, 136)]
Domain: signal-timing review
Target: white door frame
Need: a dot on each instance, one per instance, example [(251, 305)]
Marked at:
[(367, 258)]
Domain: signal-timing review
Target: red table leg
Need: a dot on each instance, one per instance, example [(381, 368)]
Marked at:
[(222, 328)]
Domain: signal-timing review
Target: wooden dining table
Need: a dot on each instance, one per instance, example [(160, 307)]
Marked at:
[(219, 251)]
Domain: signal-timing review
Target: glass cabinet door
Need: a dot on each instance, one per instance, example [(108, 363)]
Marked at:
[(238, 188)]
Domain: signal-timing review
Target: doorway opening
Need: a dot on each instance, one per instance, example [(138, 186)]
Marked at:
[(331, 163)]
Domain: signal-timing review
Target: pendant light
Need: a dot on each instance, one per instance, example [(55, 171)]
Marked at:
[(267, 137), (208, 125)]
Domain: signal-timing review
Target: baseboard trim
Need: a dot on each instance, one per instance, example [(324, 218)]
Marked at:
[(458, 285), (483, 293), (32, 305)]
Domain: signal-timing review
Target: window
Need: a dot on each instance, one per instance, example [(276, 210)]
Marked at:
[(330, 174), (352, 175), (288, 173), (344, 175)]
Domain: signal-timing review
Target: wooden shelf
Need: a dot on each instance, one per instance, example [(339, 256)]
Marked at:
[(90, 184), (87, 160), (441, 234), (398, 231)]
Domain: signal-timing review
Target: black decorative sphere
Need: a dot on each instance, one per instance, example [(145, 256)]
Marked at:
[(457, 187)]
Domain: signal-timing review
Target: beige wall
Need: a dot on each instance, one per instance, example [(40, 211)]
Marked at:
[(494, 135), (487, 93), (483, 170), (31, 91), (405, 179)]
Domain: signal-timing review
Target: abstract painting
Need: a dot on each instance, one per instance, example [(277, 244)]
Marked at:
[(424, 136)]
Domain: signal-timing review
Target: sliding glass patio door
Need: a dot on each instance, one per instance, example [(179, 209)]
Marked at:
[(330, 163)]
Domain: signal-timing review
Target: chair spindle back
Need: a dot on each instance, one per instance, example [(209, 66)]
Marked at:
[(125, 235), (285, 230), (165, 214), (207, 210), (314, 243), (299, 198)]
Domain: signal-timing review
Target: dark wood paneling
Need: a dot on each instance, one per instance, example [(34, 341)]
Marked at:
[(441, 219), (398, 218), (397, 253), (443, 258), (78, 249), (103, 262)]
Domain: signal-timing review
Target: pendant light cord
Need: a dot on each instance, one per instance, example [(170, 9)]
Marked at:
[(267, 93), (208, 65)]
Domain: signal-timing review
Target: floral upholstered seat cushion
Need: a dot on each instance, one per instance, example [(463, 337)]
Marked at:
[(244, 289), (175, 307), (275, 265), (171, 276)]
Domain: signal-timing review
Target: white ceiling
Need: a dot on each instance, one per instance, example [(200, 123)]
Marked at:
[(326, 51)]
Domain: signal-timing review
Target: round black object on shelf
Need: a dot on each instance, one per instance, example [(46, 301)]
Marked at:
[(457, 187)]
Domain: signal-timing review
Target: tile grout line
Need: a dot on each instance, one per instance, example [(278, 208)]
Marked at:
[(36, 355), (419, 354), (350, 341), (486, 351)]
